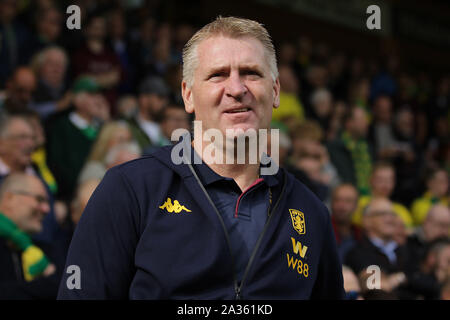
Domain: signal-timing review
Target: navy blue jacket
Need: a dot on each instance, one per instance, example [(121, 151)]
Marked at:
[(129, 245)]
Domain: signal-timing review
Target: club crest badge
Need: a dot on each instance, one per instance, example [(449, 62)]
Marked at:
[(298, 221)]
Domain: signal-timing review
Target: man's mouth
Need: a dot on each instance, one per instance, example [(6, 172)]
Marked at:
[(238, 110)]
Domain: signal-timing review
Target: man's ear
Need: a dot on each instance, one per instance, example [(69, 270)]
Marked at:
[(276, 93), (186, 92)]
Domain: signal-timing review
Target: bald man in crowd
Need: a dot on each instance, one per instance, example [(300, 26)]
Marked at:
[(378, 246)]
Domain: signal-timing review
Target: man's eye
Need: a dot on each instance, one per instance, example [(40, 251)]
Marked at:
[(217, 75), (252, 73)]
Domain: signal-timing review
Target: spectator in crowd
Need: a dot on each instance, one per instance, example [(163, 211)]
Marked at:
[(111, 134), (343, 205), (51, 94), (153, 97), (437, 192), (401, 231), (408, 160), (309, 160), (39, 155), (122, 153), (119, 42), (351, 153), (144, 42), (173, 117), (438, 144), (434, 270), (382, 183), (307, 138), (26, 268), (14, 40), (161, 56), (316, 78), (337, 79), (16, 145), (312, 167), (73, 134), (81, 198), (49, 22), (304, 51), (127, 107), (19, 91), (291, 108), (359, 90), (98, 61), (351, 284), (77, 204), (378, 246), (435, 226), (173, 79), (381, 132), (322, 108)]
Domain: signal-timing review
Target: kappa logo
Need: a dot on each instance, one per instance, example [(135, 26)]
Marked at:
[(175, 207), (298, 221)]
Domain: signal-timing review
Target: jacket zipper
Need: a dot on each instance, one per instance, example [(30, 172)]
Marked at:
[(222, 223), (238, 288)]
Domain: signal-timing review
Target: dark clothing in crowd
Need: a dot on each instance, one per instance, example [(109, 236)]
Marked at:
[(12, 283), (365, 253), (86, 61)]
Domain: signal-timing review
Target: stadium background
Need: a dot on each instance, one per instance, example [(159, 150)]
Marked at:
[(330, 64)]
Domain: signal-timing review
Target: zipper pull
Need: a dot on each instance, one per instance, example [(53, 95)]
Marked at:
[(237, 290)]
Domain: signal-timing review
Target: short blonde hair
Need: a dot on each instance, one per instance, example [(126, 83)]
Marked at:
[(230, 27)]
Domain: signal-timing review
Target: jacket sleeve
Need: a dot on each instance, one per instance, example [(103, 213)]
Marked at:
[(329, 283), (100, 261)]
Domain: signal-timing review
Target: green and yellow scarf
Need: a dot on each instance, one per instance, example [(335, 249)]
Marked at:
[(34, 261), (362, 162)]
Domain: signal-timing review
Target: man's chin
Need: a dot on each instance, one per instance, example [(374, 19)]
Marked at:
[(241, 129)]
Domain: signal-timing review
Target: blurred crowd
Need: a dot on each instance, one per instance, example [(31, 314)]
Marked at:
[(369, 137)]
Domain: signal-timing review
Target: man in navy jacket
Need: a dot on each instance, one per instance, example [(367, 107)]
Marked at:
[(161, 228)]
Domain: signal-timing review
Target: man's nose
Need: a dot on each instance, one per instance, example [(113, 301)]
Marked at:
[(236, 87)]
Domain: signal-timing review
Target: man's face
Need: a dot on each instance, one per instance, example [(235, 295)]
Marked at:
[(18, 143), (96, 29), (29, 205), (383, 110), (152, 104), (50, 25), (381, 220), (20, 89), (344, 203), (437, 225), (233, 87), (438, 185), (175, 118), (359, 123), (383, 182), (54, 68)]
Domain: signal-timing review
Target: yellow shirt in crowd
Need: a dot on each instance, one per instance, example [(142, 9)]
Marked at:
[(422, 205), (290, 107)]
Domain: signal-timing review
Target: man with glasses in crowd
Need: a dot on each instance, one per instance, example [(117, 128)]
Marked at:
[(26, 271)]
